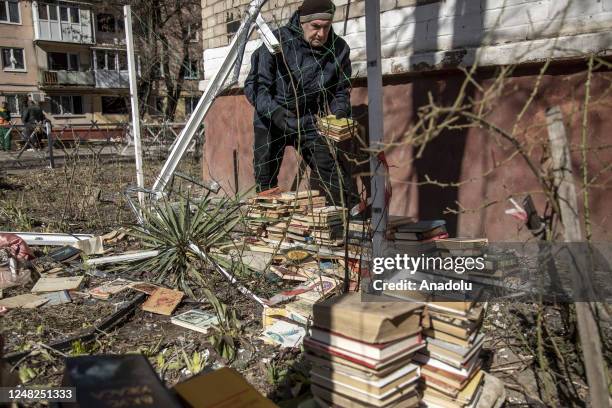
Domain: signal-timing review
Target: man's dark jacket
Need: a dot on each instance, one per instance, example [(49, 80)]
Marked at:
[(321, 77), (33, 114)]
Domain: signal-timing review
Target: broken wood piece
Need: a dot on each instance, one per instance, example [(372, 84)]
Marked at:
[(50, 284), (163, 301), (127, 257)]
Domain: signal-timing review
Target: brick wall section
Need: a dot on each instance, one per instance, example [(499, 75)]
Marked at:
[(419, 34)]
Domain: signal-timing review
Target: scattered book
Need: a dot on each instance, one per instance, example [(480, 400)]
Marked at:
[(107, 381), (373, 321), (56, 298), (195, 319), (49, 284), (163, 301), (25, 301), (110, 288), (220, 388)]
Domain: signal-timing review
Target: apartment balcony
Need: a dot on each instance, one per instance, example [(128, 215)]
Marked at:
[(67, 79), (62, 23), (111, 79)]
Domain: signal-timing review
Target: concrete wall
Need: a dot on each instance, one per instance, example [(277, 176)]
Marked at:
[(468, 157), (423, 35)]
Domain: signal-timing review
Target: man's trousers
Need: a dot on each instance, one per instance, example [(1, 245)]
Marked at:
[(326, 174)]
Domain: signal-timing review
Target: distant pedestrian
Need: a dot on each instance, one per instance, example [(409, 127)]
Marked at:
[(33, 119), (5, 127)]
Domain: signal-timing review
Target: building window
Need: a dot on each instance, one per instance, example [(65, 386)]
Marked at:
[(114, 105), (64, 14), (14, 103), (74, 15), (13, 59), (48, 12), (191, 70), (111, 60), (108, 23), (156, 108), (9, 11), (61, 61), (67, 105), (190, 104)]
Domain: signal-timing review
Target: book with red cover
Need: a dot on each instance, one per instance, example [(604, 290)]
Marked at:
[(379, 351)]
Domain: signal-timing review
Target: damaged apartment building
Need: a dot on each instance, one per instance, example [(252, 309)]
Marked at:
[(426, 46), (71, 58)]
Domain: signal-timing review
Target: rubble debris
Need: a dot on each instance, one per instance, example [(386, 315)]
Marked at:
[(126, 257), (49, 239), (16, 245), (163, 301)]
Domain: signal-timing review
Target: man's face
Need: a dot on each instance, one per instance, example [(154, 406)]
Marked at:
[(316, 32)]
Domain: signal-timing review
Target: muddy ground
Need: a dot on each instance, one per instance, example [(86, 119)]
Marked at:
[(86, 196)]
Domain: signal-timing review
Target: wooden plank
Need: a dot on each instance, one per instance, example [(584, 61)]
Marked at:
[(568, 204)]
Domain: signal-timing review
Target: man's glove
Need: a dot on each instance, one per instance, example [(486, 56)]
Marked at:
[(341, 114), (281, 117)]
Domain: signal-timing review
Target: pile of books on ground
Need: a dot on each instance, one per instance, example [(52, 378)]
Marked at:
[(321, 226), (415, 238), (361, 352), (272, 207), (338, 130), (451, 374)]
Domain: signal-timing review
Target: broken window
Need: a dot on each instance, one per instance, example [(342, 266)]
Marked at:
[(13, 59), (66, 105), (106, 23), (192, 70)]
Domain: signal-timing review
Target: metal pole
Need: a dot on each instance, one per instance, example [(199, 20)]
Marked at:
[(50, 144), (127, 15), (375, 118), (216, 84)]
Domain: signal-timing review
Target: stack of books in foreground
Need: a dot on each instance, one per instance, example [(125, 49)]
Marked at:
[(361, 352), (451, 374), (337, 130), (321, 226)]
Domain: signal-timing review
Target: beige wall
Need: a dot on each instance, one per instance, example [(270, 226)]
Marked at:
[(20, 36)]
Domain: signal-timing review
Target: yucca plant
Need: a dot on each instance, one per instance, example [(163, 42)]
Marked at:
[(171, 228)]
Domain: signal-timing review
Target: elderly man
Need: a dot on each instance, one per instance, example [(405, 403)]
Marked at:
[(310, 77)]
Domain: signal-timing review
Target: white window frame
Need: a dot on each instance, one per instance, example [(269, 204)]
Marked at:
[(62, 113), (17, 112), (13, 69), (113, 54), (4, 3)]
